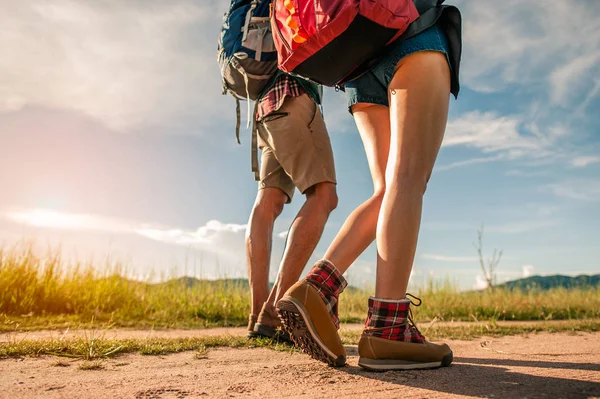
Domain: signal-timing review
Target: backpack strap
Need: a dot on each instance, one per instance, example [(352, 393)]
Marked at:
[(237, 118), (246, 26), (424, 5), (254, 145)]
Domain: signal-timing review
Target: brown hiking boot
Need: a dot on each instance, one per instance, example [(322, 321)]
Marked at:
[(251, 322), (391, 341), (268, 325), (309, 314)]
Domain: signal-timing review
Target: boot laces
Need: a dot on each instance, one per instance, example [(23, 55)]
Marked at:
[(415, 301)]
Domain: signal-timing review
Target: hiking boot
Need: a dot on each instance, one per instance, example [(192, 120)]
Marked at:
[(251, 323), (391, 340), (309, 314), (268, 325)]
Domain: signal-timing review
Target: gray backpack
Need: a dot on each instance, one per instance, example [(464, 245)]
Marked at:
[(246, 53)]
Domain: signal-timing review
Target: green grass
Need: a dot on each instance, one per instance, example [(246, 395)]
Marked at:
[(45, 292), (79, 348), (94, 349)]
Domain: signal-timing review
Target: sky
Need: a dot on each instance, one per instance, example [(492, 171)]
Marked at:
[(116, 143)]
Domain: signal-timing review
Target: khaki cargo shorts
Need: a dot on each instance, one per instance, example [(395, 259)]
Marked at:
[(296, 150)]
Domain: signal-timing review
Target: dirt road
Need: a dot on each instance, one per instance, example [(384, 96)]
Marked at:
[(532, 366)]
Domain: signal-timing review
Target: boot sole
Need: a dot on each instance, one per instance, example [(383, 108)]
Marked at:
[(397, 364), (261, 330), (297, 323)]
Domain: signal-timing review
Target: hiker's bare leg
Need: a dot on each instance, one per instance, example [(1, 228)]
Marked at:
[(418, 95), (358, 231), (259, 237), (303, 236)]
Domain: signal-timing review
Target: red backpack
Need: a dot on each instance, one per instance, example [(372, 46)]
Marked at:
[(327, 41)]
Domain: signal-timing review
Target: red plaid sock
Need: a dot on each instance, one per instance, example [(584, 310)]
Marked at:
[(330, 283), (391, 319)]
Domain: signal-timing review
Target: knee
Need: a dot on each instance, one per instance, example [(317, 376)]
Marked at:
[(325, 195), (269, 204), (378, 194), (409, 176)]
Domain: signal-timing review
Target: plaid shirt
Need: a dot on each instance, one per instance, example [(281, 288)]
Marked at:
[(284, 86)]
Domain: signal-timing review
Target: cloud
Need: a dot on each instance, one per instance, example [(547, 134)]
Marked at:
[(223, 239), (579, 189), (444, 258), (522, 226), (512, 138), (68, 221), (480, 283), (517, 42), (507, 135), (130, 64), (283, 235), (472, 161), (528, 270), (585, 160), (521, 173), (211, 233), (565, 77)]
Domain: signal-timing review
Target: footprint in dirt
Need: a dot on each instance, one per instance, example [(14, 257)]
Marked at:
[(163, 393)]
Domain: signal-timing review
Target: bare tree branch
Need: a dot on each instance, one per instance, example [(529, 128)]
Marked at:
[(489, 271)]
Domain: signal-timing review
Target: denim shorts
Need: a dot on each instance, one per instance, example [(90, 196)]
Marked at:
[(372, 86)]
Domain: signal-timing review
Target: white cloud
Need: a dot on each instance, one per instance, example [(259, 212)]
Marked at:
[(521, 173), (131, 64), (580, 189), (522, 226), (528, 270), (472, 161), (480, 283), (223, 239), (444, 258), (507, 135), (283, 235), (565, 77), (517, 42), (211, 233), (513, 138), (585, 160)]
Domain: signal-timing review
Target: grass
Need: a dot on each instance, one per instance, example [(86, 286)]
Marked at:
[(95, 365), (46, 292), (79, 348)]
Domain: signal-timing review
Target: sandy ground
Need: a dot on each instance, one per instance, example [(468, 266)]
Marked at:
[(527, 366), (123, 333)]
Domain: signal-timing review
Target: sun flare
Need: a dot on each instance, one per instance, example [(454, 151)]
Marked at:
[(44, 218)]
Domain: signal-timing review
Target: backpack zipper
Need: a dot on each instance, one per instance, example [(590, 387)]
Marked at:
[(287, 46), (316, 19)]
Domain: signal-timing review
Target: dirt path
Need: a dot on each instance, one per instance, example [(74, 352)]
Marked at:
[(532, 366), (122, 333)]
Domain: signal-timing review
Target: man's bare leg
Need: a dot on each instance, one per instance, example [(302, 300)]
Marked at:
[(267, 207), (303, 237)]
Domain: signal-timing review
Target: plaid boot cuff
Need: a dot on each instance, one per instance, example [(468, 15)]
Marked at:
[(390, 319), (329, 282)]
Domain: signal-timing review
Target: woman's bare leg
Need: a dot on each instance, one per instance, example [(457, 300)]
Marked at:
[(418, 96), (358, 231)]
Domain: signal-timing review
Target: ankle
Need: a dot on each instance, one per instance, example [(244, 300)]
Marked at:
[(329, 283), (392, 319), (324, 275)]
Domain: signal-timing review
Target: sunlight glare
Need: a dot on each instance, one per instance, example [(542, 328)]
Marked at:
[(43, 218)]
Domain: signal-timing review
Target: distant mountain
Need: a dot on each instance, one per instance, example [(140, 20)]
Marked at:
[(190, 282), (558, 280)]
